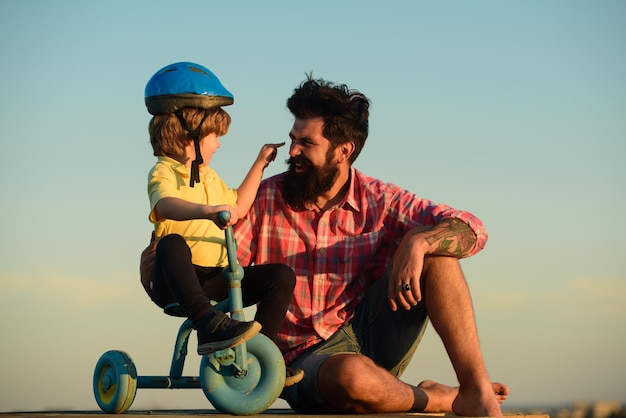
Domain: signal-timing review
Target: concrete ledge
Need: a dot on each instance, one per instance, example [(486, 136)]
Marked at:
[(276, 413)]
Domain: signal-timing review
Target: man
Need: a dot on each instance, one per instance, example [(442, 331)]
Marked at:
[(373, 262)]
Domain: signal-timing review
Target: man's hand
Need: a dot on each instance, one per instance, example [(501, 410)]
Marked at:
[(450, 238), (404, 283), (146, 265)]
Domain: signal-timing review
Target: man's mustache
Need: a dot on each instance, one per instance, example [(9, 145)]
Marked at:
[(298, 160)]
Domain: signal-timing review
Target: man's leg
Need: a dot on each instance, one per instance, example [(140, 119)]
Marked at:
[(451, 312), (376, 339), (355, 383)]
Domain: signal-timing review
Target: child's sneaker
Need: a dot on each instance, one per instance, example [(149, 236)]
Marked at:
[(293, 376), (223, 332)]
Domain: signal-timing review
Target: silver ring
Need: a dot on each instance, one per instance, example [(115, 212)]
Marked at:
[(406, 287)]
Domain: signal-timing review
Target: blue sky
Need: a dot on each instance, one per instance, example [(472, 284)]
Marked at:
[(514, 111)]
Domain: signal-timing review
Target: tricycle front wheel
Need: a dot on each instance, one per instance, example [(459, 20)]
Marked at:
[(250, 394)]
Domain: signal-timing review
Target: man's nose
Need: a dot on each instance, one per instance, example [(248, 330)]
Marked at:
[(294, 149)]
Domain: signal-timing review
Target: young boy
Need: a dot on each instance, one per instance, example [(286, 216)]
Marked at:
[(186, 197)]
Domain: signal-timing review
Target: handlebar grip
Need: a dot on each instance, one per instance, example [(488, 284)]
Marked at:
[(231, 244), (224, 216)]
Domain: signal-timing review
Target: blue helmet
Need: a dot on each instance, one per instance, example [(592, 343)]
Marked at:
[(185, 84)]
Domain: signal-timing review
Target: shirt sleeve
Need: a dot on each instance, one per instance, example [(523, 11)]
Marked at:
[(408, 211), (161, 184)]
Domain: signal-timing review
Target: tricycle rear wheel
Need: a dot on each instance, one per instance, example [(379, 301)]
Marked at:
[(115, 382)]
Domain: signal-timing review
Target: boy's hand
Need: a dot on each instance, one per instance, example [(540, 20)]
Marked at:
[(215, 216), (268, 153)]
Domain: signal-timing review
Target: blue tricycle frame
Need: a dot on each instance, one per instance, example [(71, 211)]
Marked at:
[(243, 380)]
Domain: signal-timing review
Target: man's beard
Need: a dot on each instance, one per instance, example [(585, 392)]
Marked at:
[(305, 187)]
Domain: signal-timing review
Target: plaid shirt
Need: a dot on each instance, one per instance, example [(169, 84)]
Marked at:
[(336, 254)]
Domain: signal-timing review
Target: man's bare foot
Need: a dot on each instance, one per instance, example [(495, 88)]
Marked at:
[(444, 398), (476, 402)]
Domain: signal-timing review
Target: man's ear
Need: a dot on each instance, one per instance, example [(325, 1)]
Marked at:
[(345, 151)]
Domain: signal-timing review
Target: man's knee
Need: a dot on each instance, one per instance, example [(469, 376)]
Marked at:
[(345, 374), (434, 265), (352, 383)]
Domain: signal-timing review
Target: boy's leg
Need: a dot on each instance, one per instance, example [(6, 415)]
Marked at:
[(271, 287), (176, 279), (175, 275)]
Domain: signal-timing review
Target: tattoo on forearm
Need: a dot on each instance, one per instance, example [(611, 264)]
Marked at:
[(454, 238)]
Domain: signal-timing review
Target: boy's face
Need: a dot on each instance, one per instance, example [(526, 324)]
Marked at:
[(208, 145)]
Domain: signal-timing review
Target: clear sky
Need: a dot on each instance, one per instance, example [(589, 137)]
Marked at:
[(515, 111)]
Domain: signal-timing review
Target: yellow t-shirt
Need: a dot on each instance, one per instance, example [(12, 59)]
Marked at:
[(169, 178)]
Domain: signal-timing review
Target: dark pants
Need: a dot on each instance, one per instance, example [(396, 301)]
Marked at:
[(193, 287)]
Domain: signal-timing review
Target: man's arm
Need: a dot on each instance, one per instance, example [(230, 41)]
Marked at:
[(449, 238)]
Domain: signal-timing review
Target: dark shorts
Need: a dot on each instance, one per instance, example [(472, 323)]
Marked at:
[(388, 338)]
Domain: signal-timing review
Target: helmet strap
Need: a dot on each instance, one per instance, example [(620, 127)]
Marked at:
[(194, 134)]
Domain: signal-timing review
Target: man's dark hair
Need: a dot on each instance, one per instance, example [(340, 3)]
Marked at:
[(345, 112)]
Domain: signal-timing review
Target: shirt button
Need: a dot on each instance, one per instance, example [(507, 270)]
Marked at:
[(322, 251)]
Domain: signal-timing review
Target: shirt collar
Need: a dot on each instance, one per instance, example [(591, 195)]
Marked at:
[(350, 197), (180, 169)]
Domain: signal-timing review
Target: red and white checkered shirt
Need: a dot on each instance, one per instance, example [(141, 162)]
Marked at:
[(336, 254)]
